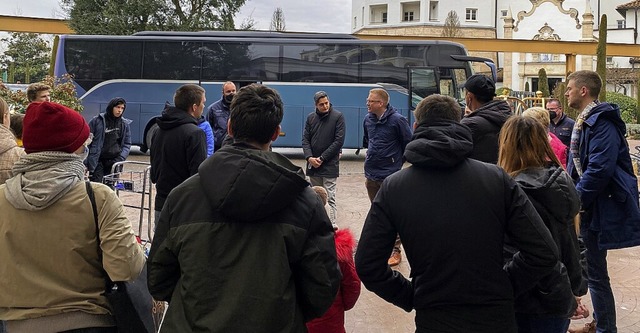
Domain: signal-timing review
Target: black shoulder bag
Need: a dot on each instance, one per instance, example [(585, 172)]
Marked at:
[(131, 303)]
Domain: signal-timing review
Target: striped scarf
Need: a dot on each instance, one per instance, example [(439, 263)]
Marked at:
[(574, 145)]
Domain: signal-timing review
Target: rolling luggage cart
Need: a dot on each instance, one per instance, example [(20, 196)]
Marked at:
[(130, 180)]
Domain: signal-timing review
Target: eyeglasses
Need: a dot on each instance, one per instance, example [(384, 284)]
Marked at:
[(369, 101)]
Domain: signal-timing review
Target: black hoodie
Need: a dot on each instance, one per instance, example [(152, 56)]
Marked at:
[(177, 149), (452, 214), (485, 123)]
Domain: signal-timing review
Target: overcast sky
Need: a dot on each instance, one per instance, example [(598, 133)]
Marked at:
[(300, 15)]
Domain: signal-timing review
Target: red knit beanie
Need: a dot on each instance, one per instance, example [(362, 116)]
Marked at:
[(50, 126)]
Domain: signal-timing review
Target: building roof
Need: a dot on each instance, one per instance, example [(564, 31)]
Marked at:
[(629, 5)]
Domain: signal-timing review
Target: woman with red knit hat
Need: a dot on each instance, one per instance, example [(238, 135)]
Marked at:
[(52, 276)]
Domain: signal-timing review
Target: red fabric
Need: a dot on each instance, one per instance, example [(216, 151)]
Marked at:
[(50, 126), (559, 149), (333, 320)]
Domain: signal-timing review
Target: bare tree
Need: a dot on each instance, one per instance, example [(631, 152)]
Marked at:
[(452, 26), (277, 21)]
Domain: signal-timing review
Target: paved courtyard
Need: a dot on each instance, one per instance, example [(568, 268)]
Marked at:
[(372, 314)]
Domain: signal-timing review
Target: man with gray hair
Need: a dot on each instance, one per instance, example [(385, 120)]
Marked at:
[(454, 251), (322, 142)]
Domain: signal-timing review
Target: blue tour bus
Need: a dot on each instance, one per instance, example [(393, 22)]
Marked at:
[(146, 68)]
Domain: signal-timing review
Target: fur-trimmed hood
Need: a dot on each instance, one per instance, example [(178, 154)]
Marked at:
[(345, 244)]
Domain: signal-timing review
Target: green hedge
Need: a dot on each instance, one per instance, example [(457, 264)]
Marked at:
[(627, 106)]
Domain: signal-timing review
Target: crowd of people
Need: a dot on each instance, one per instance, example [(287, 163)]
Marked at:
[(505, 220)]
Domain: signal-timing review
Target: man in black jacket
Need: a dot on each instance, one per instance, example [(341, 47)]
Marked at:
[(322, 141), (452, 214), (179, 145), (486, 118), (245, 245)]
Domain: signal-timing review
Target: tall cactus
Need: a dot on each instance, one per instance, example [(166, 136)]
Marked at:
[(601, 52)]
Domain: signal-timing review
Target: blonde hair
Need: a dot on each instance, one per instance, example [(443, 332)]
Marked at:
[(539, 114), (382, 94), (4, 108), (5, 113), (524, 144)]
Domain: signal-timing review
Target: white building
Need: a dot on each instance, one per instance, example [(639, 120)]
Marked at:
[(570, 20)]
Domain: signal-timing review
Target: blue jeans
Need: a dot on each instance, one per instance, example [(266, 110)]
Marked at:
[(604, 306), (530, 324)]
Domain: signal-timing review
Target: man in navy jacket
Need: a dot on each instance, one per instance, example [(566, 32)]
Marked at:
[(386, 134), (601, 167)]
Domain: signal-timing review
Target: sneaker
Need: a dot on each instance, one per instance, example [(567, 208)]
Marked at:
[(395, 258)]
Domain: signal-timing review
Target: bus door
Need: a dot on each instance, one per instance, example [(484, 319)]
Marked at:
[(423, 81)]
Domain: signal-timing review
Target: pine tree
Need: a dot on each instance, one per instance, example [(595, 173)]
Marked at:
[(26, 57)]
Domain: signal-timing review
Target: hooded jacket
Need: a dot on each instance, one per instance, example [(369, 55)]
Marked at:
[(177, 149), (206, 127), (323, 136), (97, 127), (555, 198), (333, 320), (608, 187), (9, 153), (385, 140), (243, 246), (452, 214), (51, 268), (485, 123), (217, 116)]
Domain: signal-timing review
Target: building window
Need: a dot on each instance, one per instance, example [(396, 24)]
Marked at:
[(384, 17), (355, 22), (472, 14), (408, 16), (504, 12), (609, 60), (433, 10), (622, 24), (545, 57)]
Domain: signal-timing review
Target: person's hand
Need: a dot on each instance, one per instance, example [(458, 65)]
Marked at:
[(581, 311), (315, 162)]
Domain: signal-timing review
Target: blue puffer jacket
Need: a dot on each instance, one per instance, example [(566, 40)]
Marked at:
[(385, 140), (608, 187), (208, 132)]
